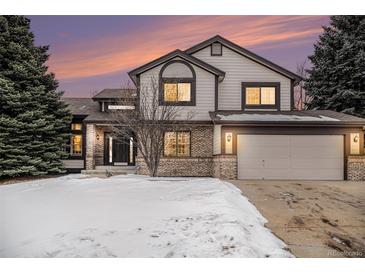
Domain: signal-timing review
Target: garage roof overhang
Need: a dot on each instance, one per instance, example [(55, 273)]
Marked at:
[(314, 118)]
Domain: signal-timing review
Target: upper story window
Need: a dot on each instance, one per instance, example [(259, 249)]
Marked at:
[(260, 95), (177, 92), (216, 49), (76, 126), (177, 84)]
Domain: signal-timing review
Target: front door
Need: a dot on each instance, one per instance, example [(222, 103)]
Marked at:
[(118, 151)]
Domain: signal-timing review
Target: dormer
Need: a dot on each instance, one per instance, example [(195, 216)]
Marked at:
[(116, 99)]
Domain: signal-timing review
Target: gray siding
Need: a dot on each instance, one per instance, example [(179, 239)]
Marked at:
[(73, 164), (241, 69), (205, 82)]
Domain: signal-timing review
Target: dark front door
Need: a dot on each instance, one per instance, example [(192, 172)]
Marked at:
[(118, 151)]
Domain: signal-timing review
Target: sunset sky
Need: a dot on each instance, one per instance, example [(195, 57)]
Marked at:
[(89, 53)]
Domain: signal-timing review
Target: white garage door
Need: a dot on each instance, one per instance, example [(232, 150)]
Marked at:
[(301, 157)]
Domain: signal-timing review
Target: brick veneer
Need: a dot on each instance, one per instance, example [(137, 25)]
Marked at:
[(199, 164), (90, 146), (99, 146), (356, 168), (225, 167), (195, 167)]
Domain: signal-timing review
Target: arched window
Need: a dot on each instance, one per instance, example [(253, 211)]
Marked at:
[(177, 84)]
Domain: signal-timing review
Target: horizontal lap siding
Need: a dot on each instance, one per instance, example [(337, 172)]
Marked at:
[(205, 82), (240, 69), (71, 164)]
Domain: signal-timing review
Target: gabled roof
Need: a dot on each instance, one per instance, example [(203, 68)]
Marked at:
[(246, 53), (174, 54), (115, 93)]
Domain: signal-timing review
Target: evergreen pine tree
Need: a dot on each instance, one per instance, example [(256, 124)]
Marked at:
[(337, 79), (34, 122)]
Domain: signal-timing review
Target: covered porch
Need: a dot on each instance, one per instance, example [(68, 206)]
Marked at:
[(106, 152)]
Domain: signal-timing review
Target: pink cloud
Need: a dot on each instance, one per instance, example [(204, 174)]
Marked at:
[(111, 54)]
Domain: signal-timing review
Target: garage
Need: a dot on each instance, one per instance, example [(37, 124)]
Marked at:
[(297, 157)]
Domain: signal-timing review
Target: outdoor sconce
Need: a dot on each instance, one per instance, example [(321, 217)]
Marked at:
[(229, 146), (97, 137), (355, 143)]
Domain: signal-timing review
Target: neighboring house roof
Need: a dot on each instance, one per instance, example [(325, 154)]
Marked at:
[(302, 117), (87, 107), (80, 106), (174, 54), (245, 53), (115, 93)]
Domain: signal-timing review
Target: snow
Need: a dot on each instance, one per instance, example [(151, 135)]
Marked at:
[(131, 216), (273, 117)]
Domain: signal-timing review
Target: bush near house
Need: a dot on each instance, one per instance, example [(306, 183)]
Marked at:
[(34, 123)]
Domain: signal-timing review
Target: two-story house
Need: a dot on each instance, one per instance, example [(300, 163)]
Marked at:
[(244, 124)]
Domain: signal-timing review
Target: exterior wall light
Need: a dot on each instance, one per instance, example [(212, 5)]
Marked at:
[(355, 143), (229, 145)]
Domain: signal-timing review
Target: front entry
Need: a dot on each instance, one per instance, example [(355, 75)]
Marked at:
[(118, 151)]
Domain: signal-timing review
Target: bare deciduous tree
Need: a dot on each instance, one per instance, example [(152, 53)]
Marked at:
[(146, 124), (302, 97)]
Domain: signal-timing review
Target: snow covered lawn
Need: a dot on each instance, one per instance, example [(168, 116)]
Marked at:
[(131, 216)]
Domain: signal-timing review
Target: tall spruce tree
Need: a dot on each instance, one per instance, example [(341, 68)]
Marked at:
[(337, 79), (34, 122)]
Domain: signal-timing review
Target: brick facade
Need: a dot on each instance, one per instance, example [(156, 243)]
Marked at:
[(99, 146), (90, 147), (225, 167), (199, 164), (94, 145), (356, 168)]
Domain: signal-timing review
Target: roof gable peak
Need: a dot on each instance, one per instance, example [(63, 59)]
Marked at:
[(237, 48)]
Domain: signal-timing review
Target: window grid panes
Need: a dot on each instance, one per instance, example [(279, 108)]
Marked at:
[(177, 92), (76, 144), (252, 96), (76, 126), (260, 96), (177, 144)]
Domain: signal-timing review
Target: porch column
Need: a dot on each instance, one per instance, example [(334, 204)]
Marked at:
[(90, 147)]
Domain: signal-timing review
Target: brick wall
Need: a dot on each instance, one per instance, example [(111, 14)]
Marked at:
[(99, 146), (356, 168), (185, 167), (199, 164), (90, 146), (225, 167)]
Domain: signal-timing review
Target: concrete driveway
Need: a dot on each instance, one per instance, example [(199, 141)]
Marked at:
[(314, 218)]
